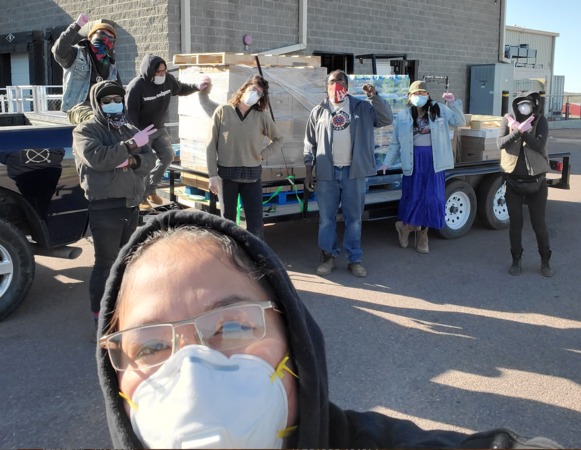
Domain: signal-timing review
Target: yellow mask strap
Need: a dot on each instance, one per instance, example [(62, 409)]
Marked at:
[(132, 404), (279, 372), (286, 432)]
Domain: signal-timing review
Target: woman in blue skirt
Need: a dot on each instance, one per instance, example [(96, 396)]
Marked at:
[(421, 140)]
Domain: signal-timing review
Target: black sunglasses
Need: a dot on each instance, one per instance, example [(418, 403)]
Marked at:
[(103, 35), (107, 100)]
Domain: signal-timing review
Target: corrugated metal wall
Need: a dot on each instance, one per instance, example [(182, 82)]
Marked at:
[(541, 42)]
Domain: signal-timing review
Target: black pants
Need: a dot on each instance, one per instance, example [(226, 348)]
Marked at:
[(111, 229), (251, 196), (537, 204)]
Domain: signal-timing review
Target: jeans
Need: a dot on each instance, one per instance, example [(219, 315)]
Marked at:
[(251, 197), (537, 204), (160, 142), (111, 229), (350, 195)]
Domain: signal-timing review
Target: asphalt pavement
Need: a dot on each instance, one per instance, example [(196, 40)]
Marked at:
[(449, 339)]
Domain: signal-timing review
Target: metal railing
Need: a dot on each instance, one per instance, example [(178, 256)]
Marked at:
[(29, 98)]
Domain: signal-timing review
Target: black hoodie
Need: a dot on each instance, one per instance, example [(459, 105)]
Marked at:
[(147, 102), (524, 154), (321, 423)]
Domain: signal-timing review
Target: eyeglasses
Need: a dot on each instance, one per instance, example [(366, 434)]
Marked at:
[(332, 82), (107, 100), (222, 329)]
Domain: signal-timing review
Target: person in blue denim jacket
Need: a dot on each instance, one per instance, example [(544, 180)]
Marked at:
[(421, 140), (84, 63)]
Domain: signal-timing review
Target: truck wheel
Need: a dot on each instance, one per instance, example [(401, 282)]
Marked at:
[(492, 210), (16, 268), (460, 209)]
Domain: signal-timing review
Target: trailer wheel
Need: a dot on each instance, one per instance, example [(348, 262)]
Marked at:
[(16, 268), (492, 210), (460, 209)]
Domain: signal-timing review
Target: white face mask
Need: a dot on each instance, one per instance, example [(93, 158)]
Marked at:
[(159, 80), (419, 100), (525, 108), (250, 97), (199, 398)]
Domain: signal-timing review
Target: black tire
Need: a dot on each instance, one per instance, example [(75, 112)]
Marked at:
[(17, 268), (460, 209), (492, 210)]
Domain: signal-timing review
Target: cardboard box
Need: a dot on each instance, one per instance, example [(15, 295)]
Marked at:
[(479, 122), (478, 145)]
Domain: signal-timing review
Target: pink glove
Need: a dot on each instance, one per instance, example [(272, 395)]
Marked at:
[(512, 123), (142, 137), (204, 83), (449, 97), (214, 185), (123, 164), (82, 20), (526, 125)]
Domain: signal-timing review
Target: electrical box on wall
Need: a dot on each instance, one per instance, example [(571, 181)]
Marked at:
[(487, 81)]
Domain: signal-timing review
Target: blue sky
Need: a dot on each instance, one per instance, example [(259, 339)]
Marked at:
[(557, 16)]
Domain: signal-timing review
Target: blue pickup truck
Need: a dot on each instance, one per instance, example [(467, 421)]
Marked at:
[(42, 206)]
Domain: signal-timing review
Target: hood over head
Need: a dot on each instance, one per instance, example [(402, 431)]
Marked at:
[(536, 100), (149, 65), (304, 336), (100, 90)]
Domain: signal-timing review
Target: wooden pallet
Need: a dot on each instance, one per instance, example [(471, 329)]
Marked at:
[(228, 59)]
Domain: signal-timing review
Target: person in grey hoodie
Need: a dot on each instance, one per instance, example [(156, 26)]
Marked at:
[(148, 99), (522, 140), (112, 158), (225, 354)]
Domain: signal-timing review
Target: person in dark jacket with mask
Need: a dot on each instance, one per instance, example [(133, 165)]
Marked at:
[(112, 158), (203, 363), (148, 99), (85, 63), (522, 140)]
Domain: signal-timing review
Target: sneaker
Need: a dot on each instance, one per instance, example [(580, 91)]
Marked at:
[(145, 206), (327, 264), (155, 199), (357, 269)]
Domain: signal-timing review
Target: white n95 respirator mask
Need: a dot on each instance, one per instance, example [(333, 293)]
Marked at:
[(200, 398)]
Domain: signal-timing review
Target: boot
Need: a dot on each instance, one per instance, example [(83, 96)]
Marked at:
[(515, 269), (403, 232), (545, 267), (422, 246), (327, 264)]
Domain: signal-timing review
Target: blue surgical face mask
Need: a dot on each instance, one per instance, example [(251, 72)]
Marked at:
[(419, 100), (112, 108)]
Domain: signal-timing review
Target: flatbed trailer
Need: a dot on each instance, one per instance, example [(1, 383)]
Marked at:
[(473, 189)]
